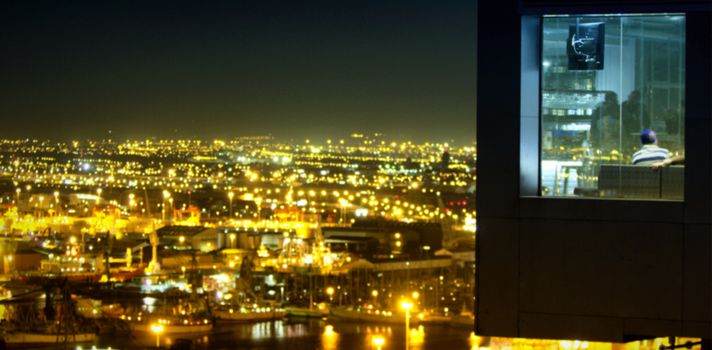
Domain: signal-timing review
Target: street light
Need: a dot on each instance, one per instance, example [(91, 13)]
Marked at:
[(166, 195), (330, 292), (258, 201), (56, 200), (157, 329), (344, 203), (407, 305), (132, 202), (229, 196), (232, 240)]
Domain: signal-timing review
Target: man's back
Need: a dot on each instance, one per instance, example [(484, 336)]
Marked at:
[(650, 154)]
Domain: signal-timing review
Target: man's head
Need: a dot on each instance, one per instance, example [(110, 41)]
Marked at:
[(648, 137), (634, 96)]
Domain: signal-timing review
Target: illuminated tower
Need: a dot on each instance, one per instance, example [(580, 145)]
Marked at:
[(154, 266)]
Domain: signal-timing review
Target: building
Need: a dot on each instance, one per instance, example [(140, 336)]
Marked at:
[(385, 239), (562, 96), (193, 237)]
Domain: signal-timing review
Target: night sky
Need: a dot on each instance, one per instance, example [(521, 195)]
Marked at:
[(293, 69)]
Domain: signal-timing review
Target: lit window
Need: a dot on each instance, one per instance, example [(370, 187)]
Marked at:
[(612, 104)]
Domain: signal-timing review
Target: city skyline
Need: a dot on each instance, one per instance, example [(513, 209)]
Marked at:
[(227, 69)]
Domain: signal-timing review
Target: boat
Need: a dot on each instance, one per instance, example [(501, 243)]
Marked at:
[(249, 315), (32, 338), (305, 312), (320, 311), (173, 327), (112, 326), (435, 319), (349, 313)]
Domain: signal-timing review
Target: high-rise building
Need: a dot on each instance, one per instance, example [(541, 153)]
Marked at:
[(573, 240)]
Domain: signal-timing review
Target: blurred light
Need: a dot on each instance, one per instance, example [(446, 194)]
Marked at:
[(157, 328), (378, 341)]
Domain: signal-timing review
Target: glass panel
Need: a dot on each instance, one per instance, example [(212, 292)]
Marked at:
[(612, 103)]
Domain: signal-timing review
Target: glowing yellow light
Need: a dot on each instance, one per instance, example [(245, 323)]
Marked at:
[(330, 291), (406, 305), (378, 341), (157, 328)]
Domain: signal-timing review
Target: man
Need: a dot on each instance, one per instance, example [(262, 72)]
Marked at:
[(650, 153)]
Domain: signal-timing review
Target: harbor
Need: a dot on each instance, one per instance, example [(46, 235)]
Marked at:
[(120, 263)]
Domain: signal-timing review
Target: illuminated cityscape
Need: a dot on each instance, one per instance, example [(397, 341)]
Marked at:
[(248, 229), (520, 174)]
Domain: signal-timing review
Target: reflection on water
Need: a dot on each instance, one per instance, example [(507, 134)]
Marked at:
[(307, 334), (329, 339), (329, 335), (417, 337)]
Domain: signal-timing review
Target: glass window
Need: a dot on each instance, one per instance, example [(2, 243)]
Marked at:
[(612, 104)]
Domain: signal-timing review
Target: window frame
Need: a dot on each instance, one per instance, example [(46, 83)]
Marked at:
[(531, 75)]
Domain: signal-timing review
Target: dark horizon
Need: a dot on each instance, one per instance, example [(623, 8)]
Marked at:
[(322, 140), (225, 69)]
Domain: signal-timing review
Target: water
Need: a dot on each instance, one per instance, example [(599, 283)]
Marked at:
[(306, 334)]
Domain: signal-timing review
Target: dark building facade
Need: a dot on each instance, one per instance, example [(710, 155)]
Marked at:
[(565, 91)]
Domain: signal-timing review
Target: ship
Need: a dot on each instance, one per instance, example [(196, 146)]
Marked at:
[(249, 315), (168, 326), (36, 338), (349, 313), (306, 312)]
